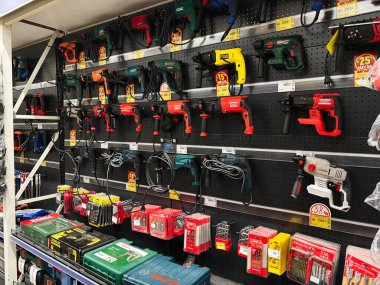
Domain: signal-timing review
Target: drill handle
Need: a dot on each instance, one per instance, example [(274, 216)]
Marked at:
[(261, 73), (263, 11), (199, 75), (138, 119), (142, 80), (340, 43), (137, 165), (42, 103), (285, 129), (187, 118), (148, 32), (157, 120), (337, 113), (297, 186), (248, 120), (204, 118)]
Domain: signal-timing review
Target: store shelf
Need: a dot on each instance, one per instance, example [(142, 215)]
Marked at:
[(75, 271), (40, 126)]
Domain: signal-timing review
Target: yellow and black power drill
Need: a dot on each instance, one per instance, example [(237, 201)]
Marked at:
[(230, 59)]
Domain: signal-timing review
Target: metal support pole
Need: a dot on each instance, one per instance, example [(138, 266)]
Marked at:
[(35, 71), (9, 201)]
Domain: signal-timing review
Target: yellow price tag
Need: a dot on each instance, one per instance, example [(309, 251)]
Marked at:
[(139, 53), (102, 94), (320, 216), (165, 92), (22, 158), (43, 163), (233, 35), (130, 93), (82, 60), (220, 245), (222, 83), (176, 37), (174, 195), (347, 8), (132, 186), (73, 137), (331, 45), (285, 23), (102, 55)]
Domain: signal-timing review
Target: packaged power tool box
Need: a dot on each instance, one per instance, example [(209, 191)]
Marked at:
[(115, 259), (41, 228), (73, 244), (162, 270)]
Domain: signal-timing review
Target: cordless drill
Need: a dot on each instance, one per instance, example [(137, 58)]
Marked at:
[(229, 7), (317, 105), (172, 108), (70, 50), (127, 109), (133, 74), (143, 23), (226, 105), (327, 178), (220, 59), (171, 70), (35, 104), (134, 157), (188, 161), (355, 34), (280, 52), (190, 10)]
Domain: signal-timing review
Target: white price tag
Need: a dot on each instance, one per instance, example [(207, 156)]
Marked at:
[(74, 102), (231, 150), (133, 146), (136, 222), (286, 86), (86, 179), (243, 250), (182, 149), (306, 153), (21, 265), (274, 253), (104, 145), (210, 201), (39, 126), (114, 220), (314, 279), (84, 206)]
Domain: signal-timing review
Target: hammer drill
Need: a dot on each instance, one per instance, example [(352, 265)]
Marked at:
[(127, 109), (35, 104), (134, 157), (70, 50), (101, 77), (192, 11), (188, 161), (134, 74)]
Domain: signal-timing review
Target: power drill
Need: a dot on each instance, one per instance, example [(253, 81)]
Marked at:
[(356, 34), (100, 111), (70, 50), (280, 52), (317, 105), (327, 178), (19, 139), (40, 141), (188, 161), (100, 77), (135, 157), (133, 74), (192, 11), (20, 68), (229, 7), (221, 59), (171, 70), (127, 109), (143, 23), (172, 108), (86, 82), (35, 104), (226, 105)]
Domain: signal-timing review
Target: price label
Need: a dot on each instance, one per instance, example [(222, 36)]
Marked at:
[(220, 245), (39, 126), (174, 195), (139, 53), (363, 63), (320, 216), (82, 60), (211, 201), (222, 83), (285, 23), (74, 102), (102, 55), (346, 8), (102, 94), (133, 146), (274, 253), (286, 86), (176, 38), (233, 35), (73, 137), (182, 149), (131, 185), (22, 157), (130, 93), (165, 92), (104, 145), (86, 179), (43, 163), (231, 150)]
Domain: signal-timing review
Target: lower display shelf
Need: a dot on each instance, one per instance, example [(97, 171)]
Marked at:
[(75, 271)]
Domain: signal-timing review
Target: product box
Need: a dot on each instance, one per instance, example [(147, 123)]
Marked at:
[(312, 260), (197, 233), (162, 223), (113, 260), (257, 257), (162, 270), (73, 244), (243, 241), (41, 228), (278, 252), (140, 219), (359, 267)]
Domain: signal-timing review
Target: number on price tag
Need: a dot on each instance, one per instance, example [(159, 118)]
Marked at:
[(285, 23), (182, 149), (165, 92), (286, 86), (233, 35), (222, 83), (73, 137), (176, 38), (231, 150), (346, 8), (133, 146), (211, 201), (139, 53), (86, 179), (174, 195), (104, 145)]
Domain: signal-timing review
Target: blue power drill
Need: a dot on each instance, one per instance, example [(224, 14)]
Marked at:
[(188, 161), (135, 73), (40, 141), (133, 156)]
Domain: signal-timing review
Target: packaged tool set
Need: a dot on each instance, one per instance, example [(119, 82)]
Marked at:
[(278, 253), (140, 217), (162, 223), (197, 236)]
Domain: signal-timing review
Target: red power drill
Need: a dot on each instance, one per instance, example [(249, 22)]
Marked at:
[(70, 50), (227, 105), (173, 108), (317, 104), (127, 109), (35, 104), (101, 110), (143, 23)]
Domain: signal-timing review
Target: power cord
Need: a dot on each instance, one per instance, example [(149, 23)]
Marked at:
[(316, 6)]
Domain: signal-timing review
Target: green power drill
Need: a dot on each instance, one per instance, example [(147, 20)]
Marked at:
[(280, 52), (192, 11), (170, 70)]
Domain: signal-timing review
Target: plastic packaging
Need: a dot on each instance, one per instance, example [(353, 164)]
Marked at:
[(372, 78), (374, 199), (375, 248), (374, 134)]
